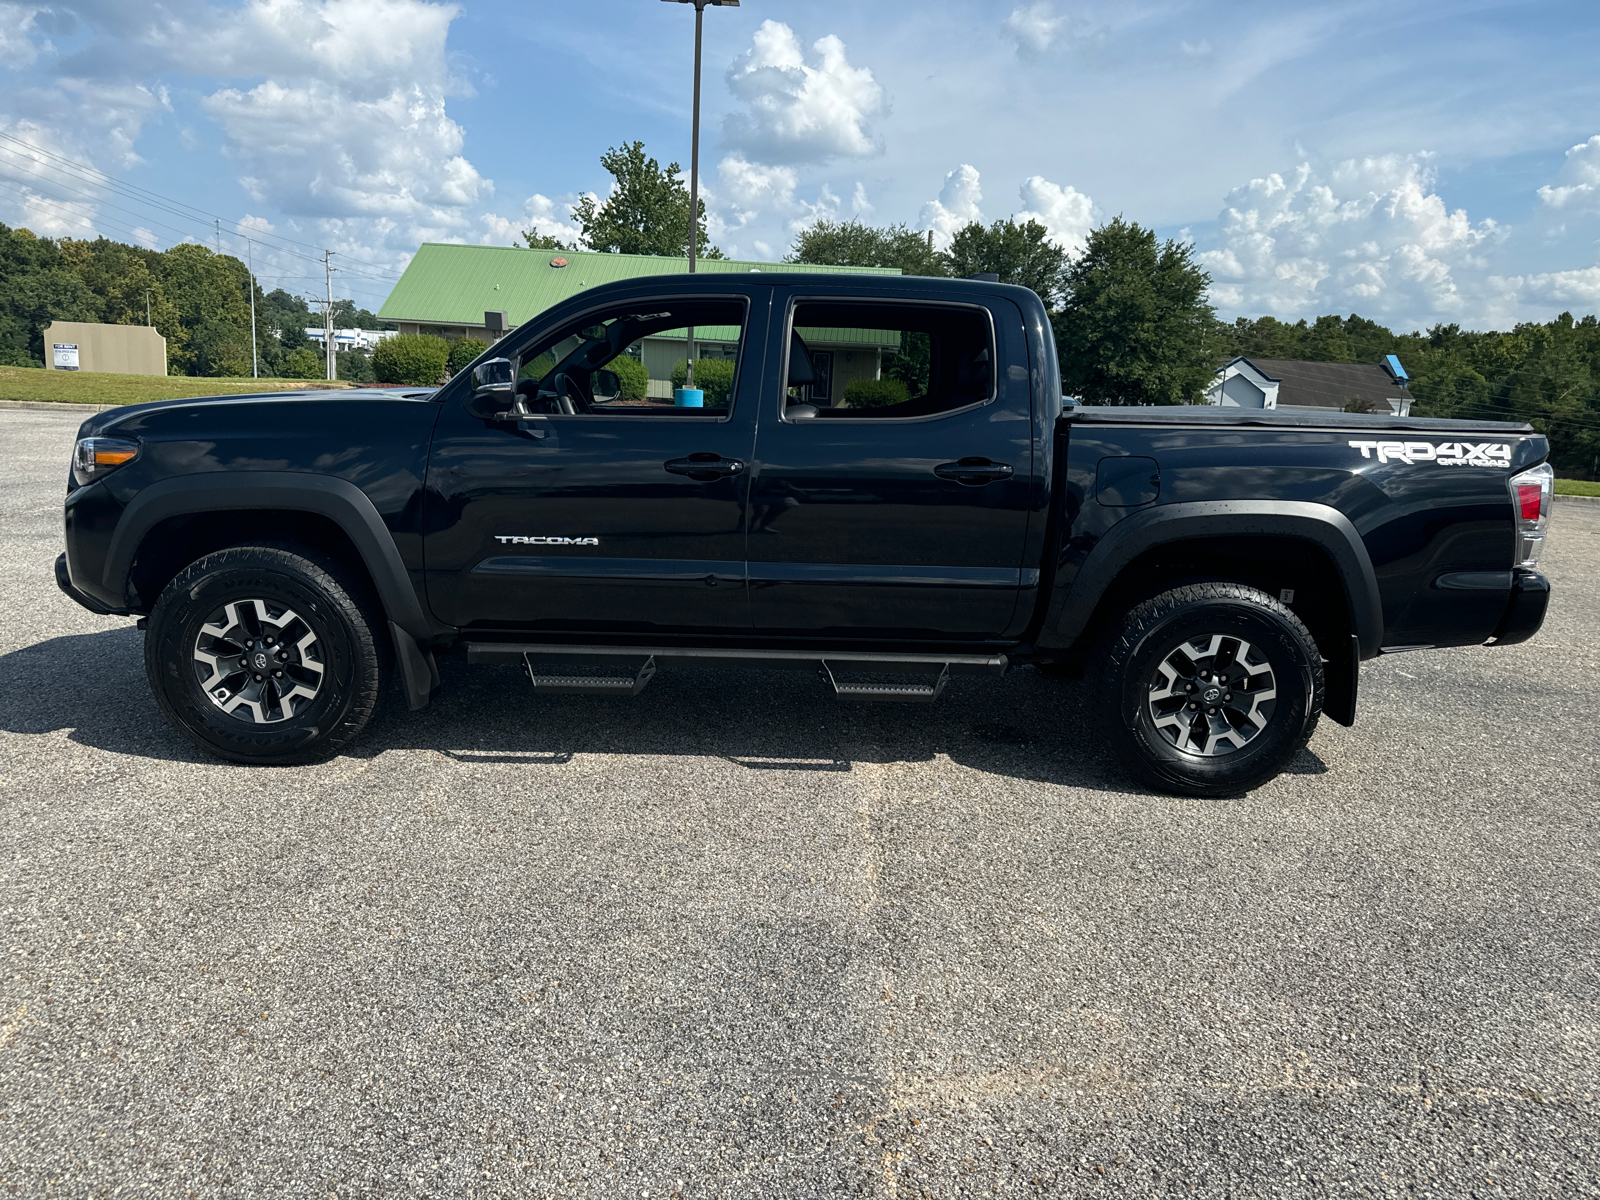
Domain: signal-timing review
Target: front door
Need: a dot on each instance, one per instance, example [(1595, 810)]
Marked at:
[(597, 503), (891, 493)]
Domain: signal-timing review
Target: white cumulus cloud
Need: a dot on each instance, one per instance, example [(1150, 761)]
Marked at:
[(956, 207), (540, 213), (753, 195), (351, 121), (1371, 237), (1066, 212), (1578, 186), (798, 110)]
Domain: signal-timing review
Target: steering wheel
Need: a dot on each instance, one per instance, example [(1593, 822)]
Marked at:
[(560, 393)]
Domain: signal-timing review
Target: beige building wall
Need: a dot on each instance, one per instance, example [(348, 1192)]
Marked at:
[(119, 349)]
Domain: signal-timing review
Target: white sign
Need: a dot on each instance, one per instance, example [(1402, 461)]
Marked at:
[(66, 355)]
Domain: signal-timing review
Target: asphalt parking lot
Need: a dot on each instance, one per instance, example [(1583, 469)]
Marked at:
[(735, 939)]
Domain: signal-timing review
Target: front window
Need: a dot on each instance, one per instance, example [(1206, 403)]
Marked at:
[(637, 360)]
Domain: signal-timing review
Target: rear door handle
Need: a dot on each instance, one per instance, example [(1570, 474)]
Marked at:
[(705, 466), (973, 471)]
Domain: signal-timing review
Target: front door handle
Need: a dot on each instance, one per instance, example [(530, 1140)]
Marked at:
[(973, 471), (705, 466)]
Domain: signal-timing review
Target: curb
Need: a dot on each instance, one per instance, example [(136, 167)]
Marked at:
[(1579, 499), (55, 406)]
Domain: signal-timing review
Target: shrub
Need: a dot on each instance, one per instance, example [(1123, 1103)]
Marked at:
[(304, 363), (633, 374), (714, 376), (463, 351), (875, 393), (416, 359)]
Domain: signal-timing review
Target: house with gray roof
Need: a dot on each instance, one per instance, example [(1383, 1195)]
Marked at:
[(1312, 386)]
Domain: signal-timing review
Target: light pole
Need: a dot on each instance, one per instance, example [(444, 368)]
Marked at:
[(694, 151)]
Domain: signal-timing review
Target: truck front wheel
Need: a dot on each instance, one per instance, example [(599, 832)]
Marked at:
[(1210, 689), (266, 654)]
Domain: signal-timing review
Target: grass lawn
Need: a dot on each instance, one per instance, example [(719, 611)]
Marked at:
[(101, 387), (1577, 487)]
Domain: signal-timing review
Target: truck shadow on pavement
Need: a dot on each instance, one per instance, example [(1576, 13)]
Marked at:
[(1025, 726)]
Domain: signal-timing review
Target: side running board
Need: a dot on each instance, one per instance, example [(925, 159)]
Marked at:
[(849, 674), (616, 685), (908, 693)]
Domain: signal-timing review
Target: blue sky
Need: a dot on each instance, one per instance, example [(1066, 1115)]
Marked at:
[(1414, 162)]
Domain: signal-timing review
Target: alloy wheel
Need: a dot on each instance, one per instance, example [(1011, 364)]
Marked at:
[(1211, 695), (258, 661)]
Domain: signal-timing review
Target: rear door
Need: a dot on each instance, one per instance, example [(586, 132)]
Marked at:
[(606, 511), (892, 485)]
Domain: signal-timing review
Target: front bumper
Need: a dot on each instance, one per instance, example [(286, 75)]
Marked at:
[(1530, 597), (64, 582)]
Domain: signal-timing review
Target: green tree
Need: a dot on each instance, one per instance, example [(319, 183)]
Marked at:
[(535, 240), (853, 244), (219, 348), (1021, 254), (647, 211), (1135, 327), (355, 366), (417, 359), (37, 286)]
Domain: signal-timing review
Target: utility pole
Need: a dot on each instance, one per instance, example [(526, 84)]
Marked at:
[(219, 235), (327, 314), (147, 306), (255, 362)]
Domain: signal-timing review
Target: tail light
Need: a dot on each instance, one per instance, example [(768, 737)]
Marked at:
[(1530, 494)]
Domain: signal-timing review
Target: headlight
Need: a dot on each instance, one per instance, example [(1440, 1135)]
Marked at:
[(96, 457)]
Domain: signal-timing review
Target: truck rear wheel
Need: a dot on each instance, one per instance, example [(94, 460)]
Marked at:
[(262, 654), (1210, 690)]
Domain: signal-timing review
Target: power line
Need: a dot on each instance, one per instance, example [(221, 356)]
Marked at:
[(33, 196), (100, 179)]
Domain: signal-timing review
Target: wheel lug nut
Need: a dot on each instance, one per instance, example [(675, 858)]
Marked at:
[(277, 674), (258, 679), (283, 656), (1212, 711), (244, 662), (1227, 695), (1193, 706), (269, 641)]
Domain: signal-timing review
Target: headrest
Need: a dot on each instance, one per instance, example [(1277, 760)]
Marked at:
[(801, 372)]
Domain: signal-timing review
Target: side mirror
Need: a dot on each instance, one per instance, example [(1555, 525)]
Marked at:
[(607, 385), (496, 377)]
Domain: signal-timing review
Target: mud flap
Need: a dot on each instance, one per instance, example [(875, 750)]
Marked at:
[(1341, 674), (419, 674)]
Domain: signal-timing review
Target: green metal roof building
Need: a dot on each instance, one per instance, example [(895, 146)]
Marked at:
[(447, 289), (451, 290)]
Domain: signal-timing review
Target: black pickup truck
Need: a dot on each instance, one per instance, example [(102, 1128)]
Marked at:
[(881, 484)]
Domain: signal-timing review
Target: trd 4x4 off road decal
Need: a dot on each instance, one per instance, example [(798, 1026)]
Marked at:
[(1450, 454), (507, 539)]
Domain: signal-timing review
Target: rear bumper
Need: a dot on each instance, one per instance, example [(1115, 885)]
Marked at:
[(64, 582), (1530, 597)]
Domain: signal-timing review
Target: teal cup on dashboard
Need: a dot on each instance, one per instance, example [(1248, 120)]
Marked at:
[(689, 397)]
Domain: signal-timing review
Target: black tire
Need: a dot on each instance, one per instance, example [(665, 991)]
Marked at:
[(1135, 672), (346, 655)]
